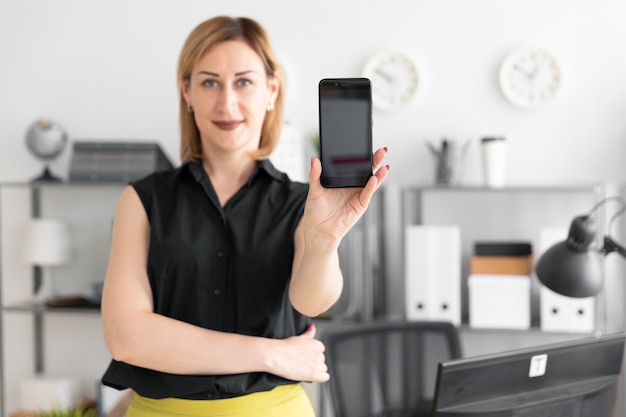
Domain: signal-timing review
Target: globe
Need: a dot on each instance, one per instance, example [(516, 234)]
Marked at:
[(46, 140)]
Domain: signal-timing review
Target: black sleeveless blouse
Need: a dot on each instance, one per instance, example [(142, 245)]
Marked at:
[(222, 268)]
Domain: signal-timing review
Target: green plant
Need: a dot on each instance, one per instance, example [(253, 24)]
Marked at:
[(76, 412)]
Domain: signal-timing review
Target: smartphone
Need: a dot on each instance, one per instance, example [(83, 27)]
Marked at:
[(345, 122)]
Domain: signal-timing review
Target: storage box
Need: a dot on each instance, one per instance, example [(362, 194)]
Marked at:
[(47, 393), (499, 301), (507, 265), (503, 248)]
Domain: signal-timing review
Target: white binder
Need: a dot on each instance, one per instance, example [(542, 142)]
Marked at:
[(565, 314), (557, 312), (433, 273)]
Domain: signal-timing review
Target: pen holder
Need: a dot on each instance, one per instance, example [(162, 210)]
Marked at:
[(449, 158)]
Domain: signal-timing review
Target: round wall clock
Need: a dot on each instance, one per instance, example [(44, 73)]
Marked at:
[(394, 79), (529, 77)]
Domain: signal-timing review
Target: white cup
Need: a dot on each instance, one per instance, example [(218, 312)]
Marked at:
[(494, 151)]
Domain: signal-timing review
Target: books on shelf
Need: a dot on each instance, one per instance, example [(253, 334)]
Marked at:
[(115, 161)]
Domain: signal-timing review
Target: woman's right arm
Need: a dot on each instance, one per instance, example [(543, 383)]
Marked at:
[(136, 335)]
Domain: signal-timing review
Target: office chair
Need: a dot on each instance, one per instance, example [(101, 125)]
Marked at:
[(386, 369)]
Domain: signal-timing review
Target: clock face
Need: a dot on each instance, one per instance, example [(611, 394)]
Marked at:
[(529, 77), (394, 80)]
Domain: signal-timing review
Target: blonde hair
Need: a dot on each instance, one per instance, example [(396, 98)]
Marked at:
[(200, 40)]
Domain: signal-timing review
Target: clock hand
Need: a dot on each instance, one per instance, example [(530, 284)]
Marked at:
[(385, 75), (523, 71), (534, 71)]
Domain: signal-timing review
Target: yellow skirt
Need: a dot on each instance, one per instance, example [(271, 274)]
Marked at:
[(282, 401)]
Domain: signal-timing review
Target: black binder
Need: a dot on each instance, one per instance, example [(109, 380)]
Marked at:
[(116, 161)]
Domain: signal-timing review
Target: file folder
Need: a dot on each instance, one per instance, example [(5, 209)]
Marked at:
[(433, 273)]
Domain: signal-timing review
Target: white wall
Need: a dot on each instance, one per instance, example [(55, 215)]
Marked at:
[(106, 71)]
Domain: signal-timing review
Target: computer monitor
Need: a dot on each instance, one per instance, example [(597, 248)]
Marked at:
[(573, 378)]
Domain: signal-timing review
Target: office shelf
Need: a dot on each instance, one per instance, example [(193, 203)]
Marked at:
[(88, 209), (30, 307), (500, 214)]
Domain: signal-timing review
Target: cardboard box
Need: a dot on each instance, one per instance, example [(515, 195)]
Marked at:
[(507, 265), (499, 301)]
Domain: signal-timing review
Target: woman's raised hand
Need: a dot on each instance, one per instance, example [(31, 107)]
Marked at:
[(331, 212)]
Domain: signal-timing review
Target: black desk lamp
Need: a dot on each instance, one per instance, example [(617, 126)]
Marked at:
[(573, 267)]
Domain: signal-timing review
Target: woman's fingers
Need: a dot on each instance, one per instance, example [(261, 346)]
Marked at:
[(379, 157)]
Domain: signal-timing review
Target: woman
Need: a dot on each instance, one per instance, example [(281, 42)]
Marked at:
[(217, 266)]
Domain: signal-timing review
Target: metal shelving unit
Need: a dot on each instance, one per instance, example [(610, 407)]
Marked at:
[(89, 208), (491, 214)]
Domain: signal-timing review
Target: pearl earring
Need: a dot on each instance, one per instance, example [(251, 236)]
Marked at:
[(270, 106)]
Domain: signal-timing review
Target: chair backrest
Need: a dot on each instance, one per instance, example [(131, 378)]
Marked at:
[(386, 369)]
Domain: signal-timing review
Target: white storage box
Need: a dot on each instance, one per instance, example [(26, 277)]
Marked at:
[(46, 393), (499, 301)]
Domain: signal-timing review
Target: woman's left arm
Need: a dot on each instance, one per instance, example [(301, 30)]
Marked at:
[(329, 214)]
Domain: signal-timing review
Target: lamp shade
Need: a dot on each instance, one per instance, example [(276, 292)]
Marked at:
[(46, 242), (572, 267)]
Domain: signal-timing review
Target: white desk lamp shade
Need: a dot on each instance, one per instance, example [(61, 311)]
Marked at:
[(46, 244)]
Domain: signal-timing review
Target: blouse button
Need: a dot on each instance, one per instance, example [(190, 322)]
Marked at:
[(210, 396), (217, 292), (220, 254)]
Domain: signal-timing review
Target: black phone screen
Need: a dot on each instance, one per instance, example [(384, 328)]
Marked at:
[(345, 121)]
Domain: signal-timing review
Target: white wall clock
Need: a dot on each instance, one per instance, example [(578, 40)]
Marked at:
[(394, 79), (529, 77)]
